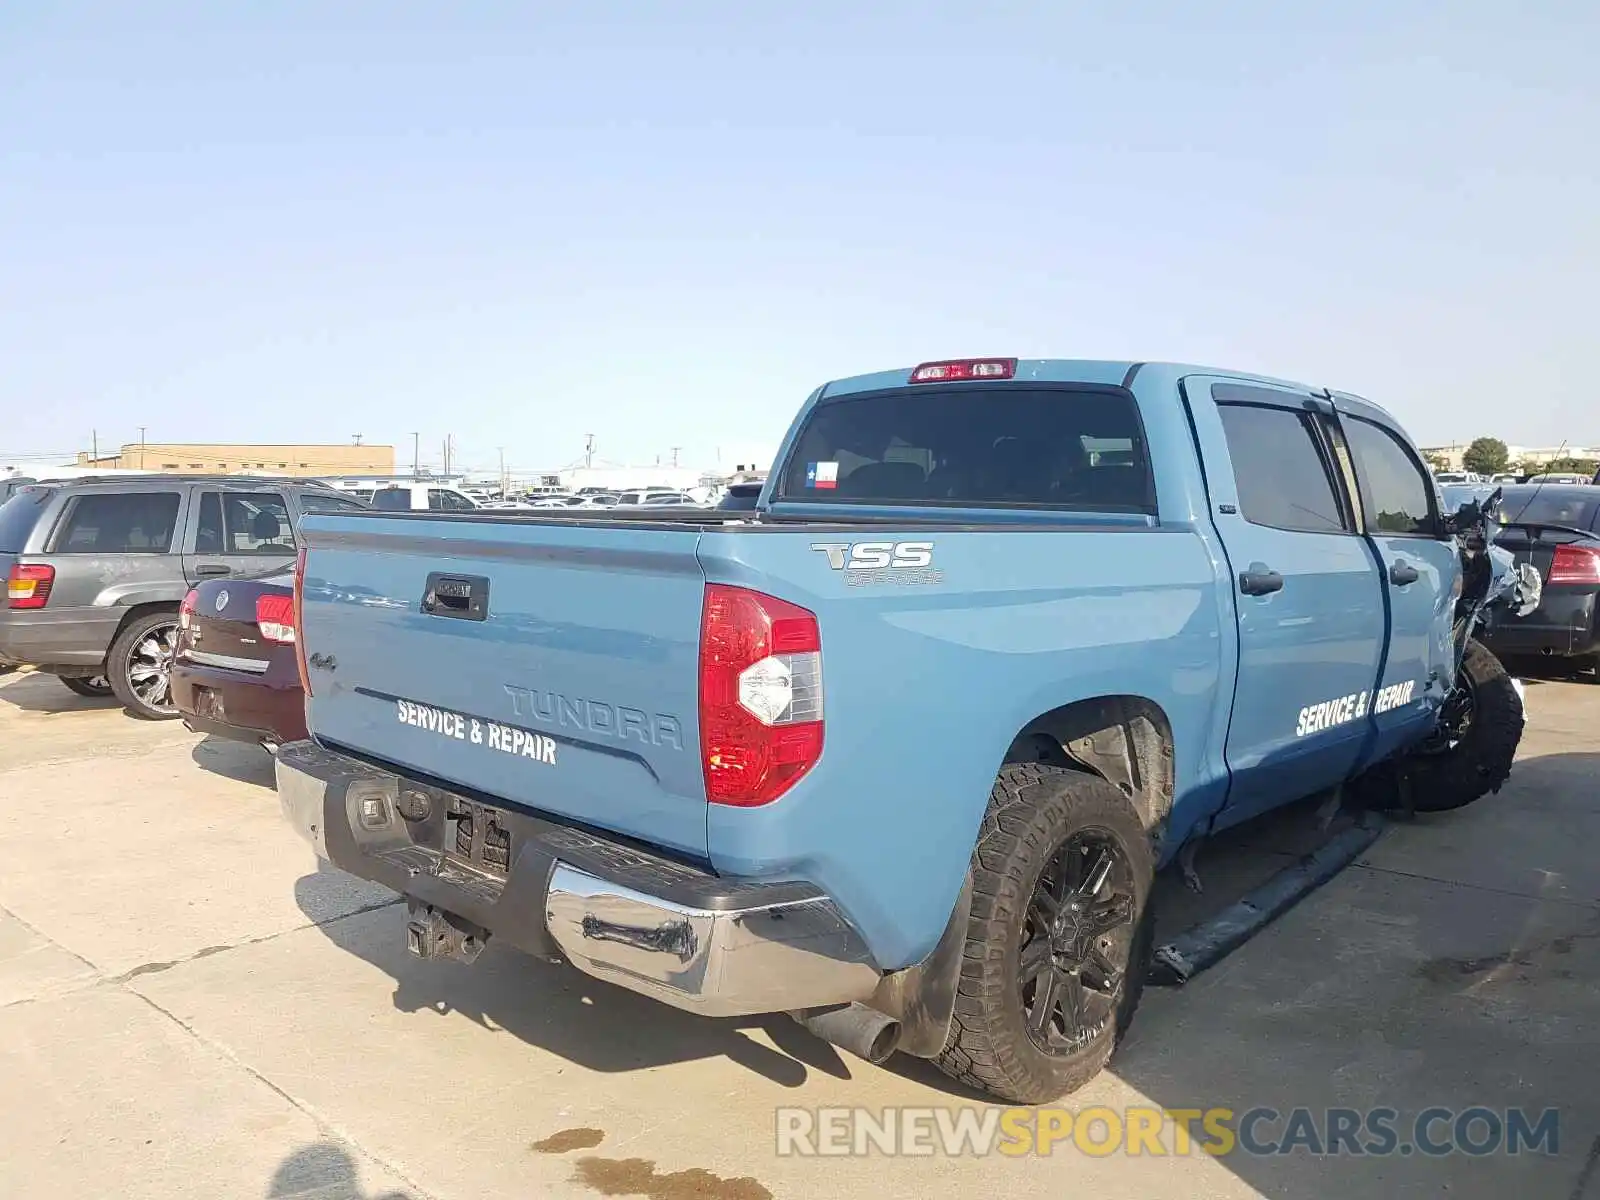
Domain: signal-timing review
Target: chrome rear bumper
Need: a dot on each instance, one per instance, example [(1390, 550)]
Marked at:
[(657, 926)]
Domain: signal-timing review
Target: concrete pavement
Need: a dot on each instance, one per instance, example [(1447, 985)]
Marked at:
[(190, 1006)]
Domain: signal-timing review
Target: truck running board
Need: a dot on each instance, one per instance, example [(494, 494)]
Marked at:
[(1208, 943)]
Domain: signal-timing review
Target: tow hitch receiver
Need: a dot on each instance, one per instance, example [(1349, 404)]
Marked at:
[(433, 933)]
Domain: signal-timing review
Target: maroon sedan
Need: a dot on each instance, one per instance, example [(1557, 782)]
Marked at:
[(234, 672)]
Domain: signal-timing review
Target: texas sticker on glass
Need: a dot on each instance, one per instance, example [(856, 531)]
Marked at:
[(822, 475)]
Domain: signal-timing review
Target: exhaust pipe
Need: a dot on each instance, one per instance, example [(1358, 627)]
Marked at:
[(863, 1031)]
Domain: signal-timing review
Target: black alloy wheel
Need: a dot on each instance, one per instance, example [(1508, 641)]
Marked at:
[(1076, 941)]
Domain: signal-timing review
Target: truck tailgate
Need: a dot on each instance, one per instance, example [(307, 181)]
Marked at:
[(555, 667)]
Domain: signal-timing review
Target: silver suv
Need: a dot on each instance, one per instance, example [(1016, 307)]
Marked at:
[(96, 570)]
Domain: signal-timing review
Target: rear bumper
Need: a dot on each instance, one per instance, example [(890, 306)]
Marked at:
[(241, 707), (58, 637), (1563, 626), (621, 913)]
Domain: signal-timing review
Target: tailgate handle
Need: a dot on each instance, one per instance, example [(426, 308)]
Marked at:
[(465, 597)]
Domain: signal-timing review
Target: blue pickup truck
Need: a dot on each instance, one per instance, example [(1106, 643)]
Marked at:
[(898, 751)]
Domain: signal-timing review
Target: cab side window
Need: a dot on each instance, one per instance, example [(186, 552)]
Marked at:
[(1280, 469), (256, 523), (1395, 492)]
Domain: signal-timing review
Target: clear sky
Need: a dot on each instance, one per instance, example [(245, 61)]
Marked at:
[(663, 224)]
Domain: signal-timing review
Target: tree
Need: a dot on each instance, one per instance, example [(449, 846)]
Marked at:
[(1486, 456), (1437, 461)]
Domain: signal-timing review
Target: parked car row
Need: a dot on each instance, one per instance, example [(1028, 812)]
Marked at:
[(98, 570)]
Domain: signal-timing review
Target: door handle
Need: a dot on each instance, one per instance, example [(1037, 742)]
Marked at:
[(1403, 573), (213, 569), (1260, 583)]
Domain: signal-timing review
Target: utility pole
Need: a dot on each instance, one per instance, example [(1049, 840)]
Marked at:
[(675, 450), (141, 447), (504, 482), (416, 453), (357, 437), (94, 440), (588, 450)]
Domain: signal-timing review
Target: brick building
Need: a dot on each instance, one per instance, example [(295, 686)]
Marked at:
[(300, 460)]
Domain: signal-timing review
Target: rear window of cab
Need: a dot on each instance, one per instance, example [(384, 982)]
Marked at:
[(975, 446)]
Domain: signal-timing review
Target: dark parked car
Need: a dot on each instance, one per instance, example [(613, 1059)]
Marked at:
[(233, 672), (96, 569), (1556, 527)]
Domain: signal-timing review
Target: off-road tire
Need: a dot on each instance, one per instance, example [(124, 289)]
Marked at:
[(1481, 761), (85, 685), (117, 666), (1033, 810)]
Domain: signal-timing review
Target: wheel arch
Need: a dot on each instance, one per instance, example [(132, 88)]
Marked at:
[(143, 609), (1124, 739)]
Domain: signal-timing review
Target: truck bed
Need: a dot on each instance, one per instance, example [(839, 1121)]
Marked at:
[(577, 695)]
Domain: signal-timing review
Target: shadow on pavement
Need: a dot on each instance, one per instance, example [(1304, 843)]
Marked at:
[(1535, 669), (239, 761), (1456, 965), (559, 1008), (322, 1171), (37, 692)]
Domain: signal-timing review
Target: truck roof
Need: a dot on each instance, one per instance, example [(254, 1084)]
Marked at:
[(1109, 372)]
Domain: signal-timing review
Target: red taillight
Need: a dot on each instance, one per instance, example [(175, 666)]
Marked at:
[(28, 585), (297, 616), (953, 369), (275, 618), (760, 695), (1575, 564), (187, 609)]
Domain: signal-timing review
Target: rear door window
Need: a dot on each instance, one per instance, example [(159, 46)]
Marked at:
[(1397, 496), (1280, 470), (119, 523), (18, 516), (256, 523), (1005, 446)]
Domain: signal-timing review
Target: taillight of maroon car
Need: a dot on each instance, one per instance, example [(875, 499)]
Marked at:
[(275, 618)]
